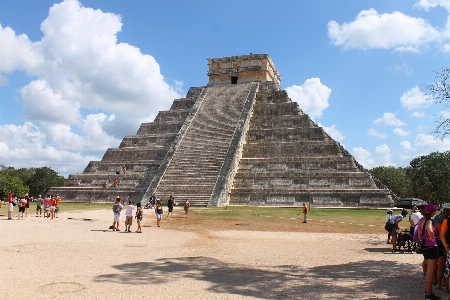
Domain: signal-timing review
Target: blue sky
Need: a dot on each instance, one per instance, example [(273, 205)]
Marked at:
[(76, 77)]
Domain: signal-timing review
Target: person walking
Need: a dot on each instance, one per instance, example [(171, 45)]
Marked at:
[(117, 208), (305, 213), (129, 216), (10, 205), (22, 205), (39, 204), (186, 207), (430, 252), (56, 201), (139, 213), (159, 213), (170, 203)]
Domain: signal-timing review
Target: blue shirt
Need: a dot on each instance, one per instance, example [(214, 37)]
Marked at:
[(395, 218)]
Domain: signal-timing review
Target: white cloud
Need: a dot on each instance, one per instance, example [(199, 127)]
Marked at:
[(378, 135), (401, 68), (333, 132), (427, 4), (423, 145), (364, 157), (445, 114), (417, 114), (312, 96), (400, 132), (25, 147), (389, 119), (83, 81), (383, 156), (384, 31), (414, 99)]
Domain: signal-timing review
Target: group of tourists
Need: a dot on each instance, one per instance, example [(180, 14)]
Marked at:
[(433, 236), (153, 202), (49, 205)]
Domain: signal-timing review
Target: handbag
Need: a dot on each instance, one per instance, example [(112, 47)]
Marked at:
[(420, 241), (388, 226)]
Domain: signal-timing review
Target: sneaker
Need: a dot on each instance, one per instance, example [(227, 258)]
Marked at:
[(117, 229), (432, 297)]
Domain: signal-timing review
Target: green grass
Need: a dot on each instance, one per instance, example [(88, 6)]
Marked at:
[(260, 218)]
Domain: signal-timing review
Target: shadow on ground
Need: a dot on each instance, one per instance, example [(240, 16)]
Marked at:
[(359, 280)]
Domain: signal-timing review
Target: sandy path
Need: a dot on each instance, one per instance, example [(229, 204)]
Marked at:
[(75, 259)]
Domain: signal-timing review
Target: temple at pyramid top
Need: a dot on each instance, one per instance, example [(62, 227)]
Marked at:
[(242, 68), (239, 140)]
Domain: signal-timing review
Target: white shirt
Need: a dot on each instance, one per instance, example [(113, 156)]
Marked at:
[(416, 218), (129, 211)]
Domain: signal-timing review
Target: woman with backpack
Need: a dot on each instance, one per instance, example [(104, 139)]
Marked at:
[(426, 232)]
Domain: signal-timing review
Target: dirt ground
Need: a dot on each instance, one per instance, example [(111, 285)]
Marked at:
[(77, 257)]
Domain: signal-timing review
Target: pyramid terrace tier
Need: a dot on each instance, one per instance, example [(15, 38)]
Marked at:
[(286, 134), (160, 127), (296, 164), (148, 140), (313, 197), (285, 149), (116, 167), (299, 180), (283, 122), (276, 109), (272, 97), (94, 193)]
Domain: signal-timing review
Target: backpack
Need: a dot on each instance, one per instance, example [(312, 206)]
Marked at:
[(14, 203), (116, 208)]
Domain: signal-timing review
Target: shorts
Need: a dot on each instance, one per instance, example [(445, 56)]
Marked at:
[(159, 216), (46, 207), (56, 208), (394, 231), (431, 252), (52, 208), (171, 209), (139, 218), (39, 207), (116, 217), (10, 207), (21, 209), (28, 205), (128, 220)]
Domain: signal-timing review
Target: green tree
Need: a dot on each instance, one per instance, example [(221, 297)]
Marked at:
[(430, 177), (394, 178), (10, 184), (439, 91), (23, 173), (43, 179)]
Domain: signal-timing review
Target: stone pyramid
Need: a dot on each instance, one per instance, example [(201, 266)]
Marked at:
[(240, 140)]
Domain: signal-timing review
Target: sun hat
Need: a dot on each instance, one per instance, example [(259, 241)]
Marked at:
[(414, 209), (429, 208), (389, 210)]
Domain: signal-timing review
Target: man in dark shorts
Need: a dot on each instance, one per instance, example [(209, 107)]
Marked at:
[(39, 203), (170, 203)]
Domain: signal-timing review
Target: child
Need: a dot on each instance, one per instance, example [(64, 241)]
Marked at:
[(186, 207), (159, 213), (139, 217), (388, 218)]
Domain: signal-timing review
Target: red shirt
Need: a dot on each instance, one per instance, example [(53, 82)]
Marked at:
[(10, 198)]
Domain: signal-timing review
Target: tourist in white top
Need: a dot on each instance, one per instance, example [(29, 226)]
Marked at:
[(414, 219)]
